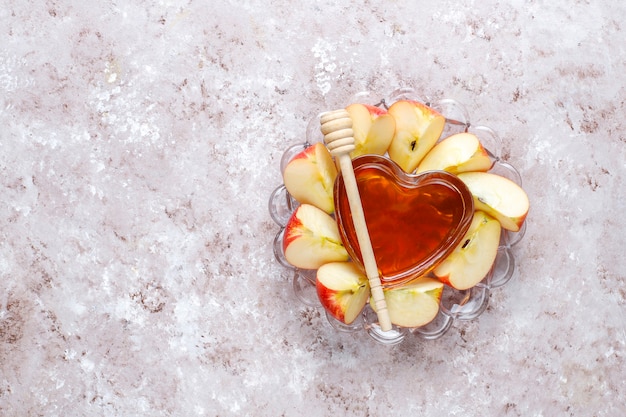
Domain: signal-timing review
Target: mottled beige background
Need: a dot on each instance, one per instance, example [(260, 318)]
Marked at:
[(140, 142)]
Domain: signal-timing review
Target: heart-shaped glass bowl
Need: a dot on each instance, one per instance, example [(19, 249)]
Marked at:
[(455, 304), (414, 221)]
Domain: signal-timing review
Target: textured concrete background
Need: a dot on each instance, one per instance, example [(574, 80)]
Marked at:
[(141, 140)]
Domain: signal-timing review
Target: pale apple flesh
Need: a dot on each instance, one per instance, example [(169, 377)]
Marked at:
[(310, 176), (414, 304), (458, 153), (473, 258), (311, 239), (373, 129), (499, 197), (343, 290), (418, 128)]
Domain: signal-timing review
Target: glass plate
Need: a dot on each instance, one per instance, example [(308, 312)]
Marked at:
[(455, 304)]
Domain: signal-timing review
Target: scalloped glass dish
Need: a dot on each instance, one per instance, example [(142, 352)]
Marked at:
[(455, 304)]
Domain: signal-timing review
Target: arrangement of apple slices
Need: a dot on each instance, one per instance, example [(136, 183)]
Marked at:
[(409, 133)]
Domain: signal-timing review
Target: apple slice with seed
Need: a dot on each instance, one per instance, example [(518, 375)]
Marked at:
[(499, 197), (458, 153), (418, 128), (472, 259)]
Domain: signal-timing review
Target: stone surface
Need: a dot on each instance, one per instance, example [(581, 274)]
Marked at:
[(141, 140)]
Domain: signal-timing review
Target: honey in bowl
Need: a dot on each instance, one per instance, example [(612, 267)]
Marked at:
[(414, 221)]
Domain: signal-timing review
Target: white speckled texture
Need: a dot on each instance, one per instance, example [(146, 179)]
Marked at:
[(141, 140)]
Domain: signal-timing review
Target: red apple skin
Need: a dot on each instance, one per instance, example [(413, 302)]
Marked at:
[(330, 300), (293, 231), (376, 111)]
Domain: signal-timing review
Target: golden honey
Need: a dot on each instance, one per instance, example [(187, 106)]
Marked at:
[(414, 221)]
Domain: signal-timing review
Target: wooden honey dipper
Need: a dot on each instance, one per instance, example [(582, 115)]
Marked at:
[(336, 127)]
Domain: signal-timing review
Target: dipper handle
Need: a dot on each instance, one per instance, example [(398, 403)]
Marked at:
[(336, 127)]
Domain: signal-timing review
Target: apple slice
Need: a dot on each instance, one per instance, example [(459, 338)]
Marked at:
[(415, 303), (310, 176), (343, 290), (461, 152), (373, 129), (498, 196), (472, 259), (311, 239), (418, 127)]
